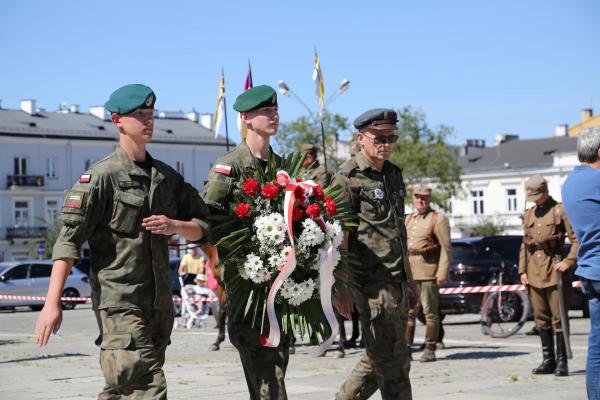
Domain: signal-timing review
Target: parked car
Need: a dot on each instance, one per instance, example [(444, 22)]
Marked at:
[(31, 278), (476, 260)]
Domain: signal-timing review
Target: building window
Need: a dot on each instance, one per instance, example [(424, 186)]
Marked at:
[(477, 196), (52, 211), (21, 213), (180, 169), (511, 200), (20, 166), (52, 167), (89, 162)]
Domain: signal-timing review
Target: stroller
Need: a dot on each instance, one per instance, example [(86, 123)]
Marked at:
[(195, 307)]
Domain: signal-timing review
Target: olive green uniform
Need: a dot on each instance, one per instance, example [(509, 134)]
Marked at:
[(264, 367), (381, 298), (317, 173), (131, 290), (429, 252), (545, 227)]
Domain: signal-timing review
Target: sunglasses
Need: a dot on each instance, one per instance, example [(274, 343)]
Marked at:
[(383, 139)]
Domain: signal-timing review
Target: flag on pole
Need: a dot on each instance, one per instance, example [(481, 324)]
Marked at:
[(247, 85), (319, 85), (220, 108)]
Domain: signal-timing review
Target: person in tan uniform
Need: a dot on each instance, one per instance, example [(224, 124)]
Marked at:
[(429, 252), (544, 228)]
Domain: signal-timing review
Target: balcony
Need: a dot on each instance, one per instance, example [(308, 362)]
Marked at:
[(24, 180), (25, 232)]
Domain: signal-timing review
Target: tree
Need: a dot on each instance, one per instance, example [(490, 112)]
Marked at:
[(424, 156), (304, 130), (49, 236), (488, 227)]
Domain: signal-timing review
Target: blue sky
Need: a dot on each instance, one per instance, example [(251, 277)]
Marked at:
[(483, 67)]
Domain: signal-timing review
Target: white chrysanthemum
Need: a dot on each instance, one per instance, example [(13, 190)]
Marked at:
[(270, 228), (297, 293), (262, 275), (254, 269), (335, 231), (276, 260), (312, 234)]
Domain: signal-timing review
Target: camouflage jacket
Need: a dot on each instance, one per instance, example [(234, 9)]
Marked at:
[(129, 266), (378, 199), (317, 173)]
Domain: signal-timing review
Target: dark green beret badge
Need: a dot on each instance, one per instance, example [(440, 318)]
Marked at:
[(258, 96), (129, 98)]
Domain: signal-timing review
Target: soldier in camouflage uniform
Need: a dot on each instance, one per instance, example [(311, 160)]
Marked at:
[(376, 190), (126, 206), (264, 367), (311, 168), (545, 226)]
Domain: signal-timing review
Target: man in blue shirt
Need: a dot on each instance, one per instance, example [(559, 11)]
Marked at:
[(581, 199)]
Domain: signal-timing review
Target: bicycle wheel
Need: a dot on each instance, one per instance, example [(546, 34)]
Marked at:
[(504, 313)]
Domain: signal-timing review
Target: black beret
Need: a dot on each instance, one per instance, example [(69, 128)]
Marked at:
[(377, 118)]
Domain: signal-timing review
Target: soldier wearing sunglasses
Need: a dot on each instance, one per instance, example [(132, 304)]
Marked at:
[(376, 190)]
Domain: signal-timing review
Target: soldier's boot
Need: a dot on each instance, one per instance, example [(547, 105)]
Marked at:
[(548, 365), (431, 333), (533, 332), (562, 368), (410, 337)]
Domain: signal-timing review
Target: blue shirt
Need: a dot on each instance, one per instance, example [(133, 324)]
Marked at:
[(581, 200)]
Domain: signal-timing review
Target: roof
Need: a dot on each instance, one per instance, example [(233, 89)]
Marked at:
[(516, 154), (88, 127)]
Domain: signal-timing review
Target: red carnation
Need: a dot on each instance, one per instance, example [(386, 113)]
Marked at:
[(243, 210), (313, 211), (319, 195), (297, 214), (330, 205), (250, 187), (300, 194), (269, 191)]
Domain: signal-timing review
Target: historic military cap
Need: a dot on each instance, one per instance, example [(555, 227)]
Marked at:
[(535, 186), (258, 96), (422, 190), (129, 98), (309, 148), (378, 118)]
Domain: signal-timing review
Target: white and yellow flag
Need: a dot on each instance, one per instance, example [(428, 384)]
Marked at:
[(220, 108), (319, 85)]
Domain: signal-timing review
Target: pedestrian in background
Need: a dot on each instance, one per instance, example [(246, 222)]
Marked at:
[(581, 197)]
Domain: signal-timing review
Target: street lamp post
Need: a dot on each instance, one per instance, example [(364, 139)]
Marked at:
[(285, 90)]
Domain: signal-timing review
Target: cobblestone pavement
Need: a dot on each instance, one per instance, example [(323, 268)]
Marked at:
[(472, 366)]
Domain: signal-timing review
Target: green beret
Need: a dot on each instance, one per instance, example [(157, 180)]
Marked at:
[(129, 98), (258, 96)]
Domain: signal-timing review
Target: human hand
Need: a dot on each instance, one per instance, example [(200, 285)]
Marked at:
[(344, 302), (524, 280), (159, 225), (48, 322), (561, 266), (440, 281)]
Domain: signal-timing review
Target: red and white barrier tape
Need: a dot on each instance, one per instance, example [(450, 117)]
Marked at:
[(84, 299), (489, 288), (458, 290)]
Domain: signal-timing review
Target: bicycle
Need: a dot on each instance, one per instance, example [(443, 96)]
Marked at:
[(503, 312)]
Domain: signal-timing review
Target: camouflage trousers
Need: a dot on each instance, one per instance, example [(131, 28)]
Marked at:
[(264, 367), (385, 364), (132, 352)]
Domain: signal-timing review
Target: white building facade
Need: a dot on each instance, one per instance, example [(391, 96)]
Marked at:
[(44, 153), (493, 181)]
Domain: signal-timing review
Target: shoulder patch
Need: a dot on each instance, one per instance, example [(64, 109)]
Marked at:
[(222, 169), (85, 178), (74, 199)]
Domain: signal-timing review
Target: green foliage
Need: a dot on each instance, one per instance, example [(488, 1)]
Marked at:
[(424, 156), (488, 227), (304, 130), (48, 238)]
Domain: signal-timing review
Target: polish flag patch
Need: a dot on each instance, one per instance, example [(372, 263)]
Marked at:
[(85, 178), (222, 169), (74, 200)]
